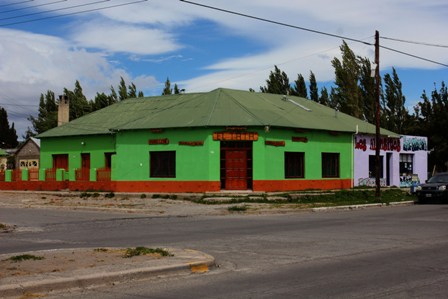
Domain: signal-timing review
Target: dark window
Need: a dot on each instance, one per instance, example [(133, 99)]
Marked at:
[(372, 166), (294, 165), (330, 165), (163, 164)]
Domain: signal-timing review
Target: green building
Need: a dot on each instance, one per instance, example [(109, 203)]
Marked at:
[(219, 140)]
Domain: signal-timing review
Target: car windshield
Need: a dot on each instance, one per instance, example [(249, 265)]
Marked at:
[(439, 179)]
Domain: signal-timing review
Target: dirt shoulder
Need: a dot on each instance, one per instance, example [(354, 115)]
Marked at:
[(151, 204)]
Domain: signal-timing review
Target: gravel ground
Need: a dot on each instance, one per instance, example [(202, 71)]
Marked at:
[(63, 260), (134, 203)]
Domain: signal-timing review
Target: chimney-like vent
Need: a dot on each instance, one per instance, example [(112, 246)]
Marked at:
[(63, 110)]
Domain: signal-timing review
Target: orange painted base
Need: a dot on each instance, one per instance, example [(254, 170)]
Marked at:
[(299, 185), (175, 186), (166, 186)]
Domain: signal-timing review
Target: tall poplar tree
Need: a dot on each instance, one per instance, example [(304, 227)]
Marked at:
[(367, 88), (324, 99), (430, 119), (395, 111), (299, 88), (122, 90), (8, 134), (314, 91), (78, 103), (346, 95), (47, 116), (167, 90), (277, 83)]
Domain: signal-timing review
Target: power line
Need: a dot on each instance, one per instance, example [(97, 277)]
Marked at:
[(310, 30), (15, 3), (414, 42), (278, 23), (72, 13), (32, 6), (53, 10), (414, 56)]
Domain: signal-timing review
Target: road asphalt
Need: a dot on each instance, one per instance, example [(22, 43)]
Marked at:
[(59, 269)]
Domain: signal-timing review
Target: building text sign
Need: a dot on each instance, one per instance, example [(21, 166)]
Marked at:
[(235, 136), (386, 144)]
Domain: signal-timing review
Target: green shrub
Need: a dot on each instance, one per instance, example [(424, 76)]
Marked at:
[(109, 195), (130, 252), (25, 257), (237, 208)]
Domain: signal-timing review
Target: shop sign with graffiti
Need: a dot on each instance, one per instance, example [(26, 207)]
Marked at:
[(414, 144), (370, 182), (386, 144)]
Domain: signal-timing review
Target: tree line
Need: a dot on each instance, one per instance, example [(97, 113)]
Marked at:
[(353, 93)]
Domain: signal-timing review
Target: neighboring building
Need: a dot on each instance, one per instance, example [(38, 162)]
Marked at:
[(3, 160), (220, 140), (28, 156), (403, 160)]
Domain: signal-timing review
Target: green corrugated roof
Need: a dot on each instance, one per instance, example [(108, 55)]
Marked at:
[(220, 107)]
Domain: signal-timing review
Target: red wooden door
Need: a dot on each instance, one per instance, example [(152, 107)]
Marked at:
[(60, 161), (236, 169), (85, 167)]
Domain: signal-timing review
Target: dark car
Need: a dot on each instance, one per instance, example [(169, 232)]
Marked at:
[(435, 189)]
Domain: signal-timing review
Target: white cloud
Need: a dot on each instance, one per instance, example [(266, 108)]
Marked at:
[(34, 63), (118, 37), (158, 31)]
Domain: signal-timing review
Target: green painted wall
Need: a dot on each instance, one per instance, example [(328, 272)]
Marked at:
[(193, 163), (95, 145), (269, 160), (196, 163)]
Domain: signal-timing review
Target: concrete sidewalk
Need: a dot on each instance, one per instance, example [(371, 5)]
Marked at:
[(53, 270)]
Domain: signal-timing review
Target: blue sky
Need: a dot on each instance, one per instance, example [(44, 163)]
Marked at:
[(202, 49)]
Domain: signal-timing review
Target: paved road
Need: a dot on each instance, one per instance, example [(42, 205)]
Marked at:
[(389, 252)]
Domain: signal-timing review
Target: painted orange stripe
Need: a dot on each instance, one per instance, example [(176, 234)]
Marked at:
[(296, 185), (176, 186)]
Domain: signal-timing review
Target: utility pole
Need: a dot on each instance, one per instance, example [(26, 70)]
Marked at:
[(377, 116)]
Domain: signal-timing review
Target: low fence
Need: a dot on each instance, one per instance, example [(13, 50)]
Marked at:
[(56, 179), (103, 174)]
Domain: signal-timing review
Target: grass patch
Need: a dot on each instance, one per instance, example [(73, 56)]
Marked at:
[(109, 195), (101, 250), (313, 198), (85, 195), (237, 208), (130, 252), (25, 257)]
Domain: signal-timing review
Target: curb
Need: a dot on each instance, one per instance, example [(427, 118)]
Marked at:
[(200, 263), (365, 206)]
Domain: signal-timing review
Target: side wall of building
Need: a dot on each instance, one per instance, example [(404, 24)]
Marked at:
[(402, 160), (28, 156), (94, 145)]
